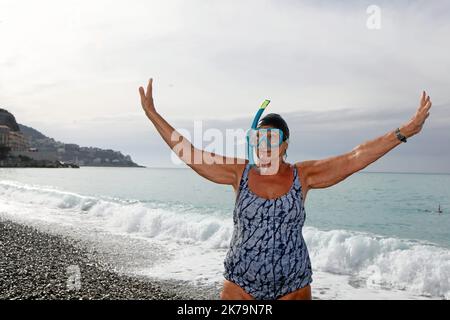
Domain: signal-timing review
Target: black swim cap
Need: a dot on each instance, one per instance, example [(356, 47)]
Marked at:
[(276, 121)]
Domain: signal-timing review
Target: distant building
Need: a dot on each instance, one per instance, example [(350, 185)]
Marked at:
[(13, 139), (4, 135)]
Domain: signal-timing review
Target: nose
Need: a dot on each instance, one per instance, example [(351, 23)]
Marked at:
[(264, 154)]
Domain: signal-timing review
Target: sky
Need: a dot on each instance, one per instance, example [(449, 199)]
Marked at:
[(71, 69)]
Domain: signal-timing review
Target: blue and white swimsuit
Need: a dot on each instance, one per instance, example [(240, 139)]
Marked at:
[(268, 257)]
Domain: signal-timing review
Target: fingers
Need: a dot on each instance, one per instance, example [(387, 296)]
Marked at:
[(146, 98), (422, 98), (142, 94), (150, 88), (428, 106), (425, 102)]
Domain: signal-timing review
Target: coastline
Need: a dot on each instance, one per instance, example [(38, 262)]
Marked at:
[(37, 265)]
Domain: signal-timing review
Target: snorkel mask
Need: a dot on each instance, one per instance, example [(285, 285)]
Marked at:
[(257, 136)]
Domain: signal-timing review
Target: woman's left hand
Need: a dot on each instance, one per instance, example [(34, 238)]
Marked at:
[(415, 124)]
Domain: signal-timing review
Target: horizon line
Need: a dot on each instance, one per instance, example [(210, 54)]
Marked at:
[(396, 172)]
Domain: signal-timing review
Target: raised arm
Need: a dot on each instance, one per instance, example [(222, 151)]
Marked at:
[(327, 172), (216, 168)]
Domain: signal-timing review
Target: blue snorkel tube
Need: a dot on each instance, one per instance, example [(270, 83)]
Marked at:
[(255, 126)]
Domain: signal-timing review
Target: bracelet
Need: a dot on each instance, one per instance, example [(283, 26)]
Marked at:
[(400, 136)]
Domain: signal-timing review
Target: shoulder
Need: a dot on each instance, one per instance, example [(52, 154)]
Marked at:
[(239, 169), (303, 169)]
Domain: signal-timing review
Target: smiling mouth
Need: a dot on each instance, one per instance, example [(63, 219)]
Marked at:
[(267, 163)]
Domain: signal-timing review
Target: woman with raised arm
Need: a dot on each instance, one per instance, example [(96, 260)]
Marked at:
[(268, 258)]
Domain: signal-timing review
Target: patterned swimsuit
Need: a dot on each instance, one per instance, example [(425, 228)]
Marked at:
[(268, 257)]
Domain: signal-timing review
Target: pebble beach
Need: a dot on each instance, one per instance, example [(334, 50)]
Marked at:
[(36, 265)]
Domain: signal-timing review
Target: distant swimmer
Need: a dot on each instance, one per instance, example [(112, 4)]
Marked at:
[(439, 209)]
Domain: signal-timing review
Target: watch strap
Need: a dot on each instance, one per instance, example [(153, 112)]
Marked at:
[(399, 135)]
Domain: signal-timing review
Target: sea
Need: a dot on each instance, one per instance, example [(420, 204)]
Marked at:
[(372, 236)]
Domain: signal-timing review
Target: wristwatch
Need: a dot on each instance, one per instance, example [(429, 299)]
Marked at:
[(400, 136)]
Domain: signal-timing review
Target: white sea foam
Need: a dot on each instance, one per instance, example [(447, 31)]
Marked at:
[(197, 242), (383, 262)]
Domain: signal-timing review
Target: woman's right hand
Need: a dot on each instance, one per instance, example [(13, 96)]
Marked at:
[(147, 99), (216, 168)]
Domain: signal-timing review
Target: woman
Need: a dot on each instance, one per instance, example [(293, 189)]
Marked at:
[(268, 258)]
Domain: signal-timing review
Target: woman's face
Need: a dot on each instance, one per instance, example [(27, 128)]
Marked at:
[(270, 149)]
